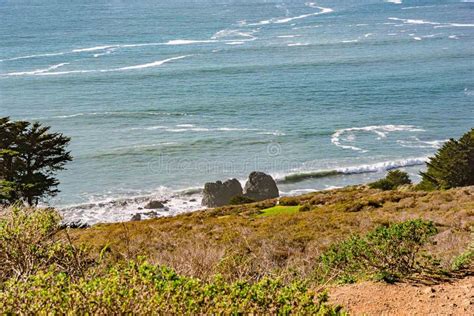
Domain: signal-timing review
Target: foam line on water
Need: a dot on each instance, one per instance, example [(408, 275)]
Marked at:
[(37, 71), (322, 10), (48, 72), (381, 131), (359, 169), (436, 24)]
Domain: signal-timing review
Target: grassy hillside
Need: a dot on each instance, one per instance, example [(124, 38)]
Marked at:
[(257, 240), (259, 257)]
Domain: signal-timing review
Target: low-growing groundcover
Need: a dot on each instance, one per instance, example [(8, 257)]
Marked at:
[(142, 288), (44, 273)]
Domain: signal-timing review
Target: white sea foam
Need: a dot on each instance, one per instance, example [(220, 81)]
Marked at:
[(383, 166), (48, 72), (305, 174), (274, 133), (121, 207), (107, 52), (394, 1), (234, 34), (37, 71), (350, 41), (235, 43), (415, 142), (414, 21), (419, 7), (341, 137), (189, 42), (298, 44), (93, 49), (417, 38), (34, 56), (322, 10), (453, 37), (436, 24), (288, 36), (148, 65)]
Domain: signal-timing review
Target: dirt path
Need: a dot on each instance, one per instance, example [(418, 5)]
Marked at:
[(456, 298)]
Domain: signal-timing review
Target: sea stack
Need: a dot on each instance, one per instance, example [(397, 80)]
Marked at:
[(220, 193), (261, 186)]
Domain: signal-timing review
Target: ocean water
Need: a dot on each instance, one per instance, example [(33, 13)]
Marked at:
[(161, 96)]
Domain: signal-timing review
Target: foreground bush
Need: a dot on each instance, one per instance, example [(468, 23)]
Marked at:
[(142, 288), (29, 243), (388, 252), (452, 166), (393, 180)]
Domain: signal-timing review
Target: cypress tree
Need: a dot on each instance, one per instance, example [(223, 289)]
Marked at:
[(452, 166), (30, 156)]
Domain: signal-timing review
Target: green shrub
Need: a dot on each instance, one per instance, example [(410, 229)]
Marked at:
[(29, 243), (388, 252), (142, 288), (464, 260), (452, 166), (239, 199), (289, 201), (393, 180)]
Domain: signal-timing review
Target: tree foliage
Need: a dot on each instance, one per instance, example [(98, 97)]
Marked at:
[(30, 156), (393, 180), (452, 166)]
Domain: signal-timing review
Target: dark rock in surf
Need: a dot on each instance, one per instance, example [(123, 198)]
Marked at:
[(136, 218), (220, 193), (261, 186), (76, 224), (153, 205)]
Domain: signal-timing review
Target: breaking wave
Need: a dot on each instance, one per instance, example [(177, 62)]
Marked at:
[(366, 168)]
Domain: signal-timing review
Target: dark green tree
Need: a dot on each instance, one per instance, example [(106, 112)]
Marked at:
[(452, 166), (30, 156), (393, 180)]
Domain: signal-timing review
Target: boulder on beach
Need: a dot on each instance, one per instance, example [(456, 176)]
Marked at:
[(261, 186), (219, 193), (153, 205)]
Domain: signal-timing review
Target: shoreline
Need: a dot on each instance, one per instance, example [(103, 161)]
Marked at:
[(123, 209)]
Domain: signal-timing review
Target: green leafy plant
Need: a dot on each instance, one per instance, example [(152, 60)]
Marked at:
[(452, 166), (138, 287), (464, 260), (388, 252), (29, 242), (393, 180)]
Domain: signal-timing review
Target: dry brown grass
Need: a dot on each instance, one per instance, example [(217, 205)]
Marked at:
[(236, 243)]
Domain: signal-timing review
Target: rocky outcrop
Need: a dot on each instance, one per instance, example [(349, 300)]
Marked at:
[(261, 186), (153, 205), (219, 193), (136, 218)]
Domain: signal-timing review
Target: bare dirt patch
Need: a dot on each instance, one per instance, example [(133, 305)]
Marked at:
[(369, 298)]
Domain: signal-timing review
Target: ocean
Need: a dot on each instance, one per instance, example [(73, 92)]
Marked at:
[(160, 97)]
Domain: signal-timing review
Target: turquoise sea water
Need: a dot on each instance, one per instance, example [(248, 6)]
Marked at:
[(162, 96)]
